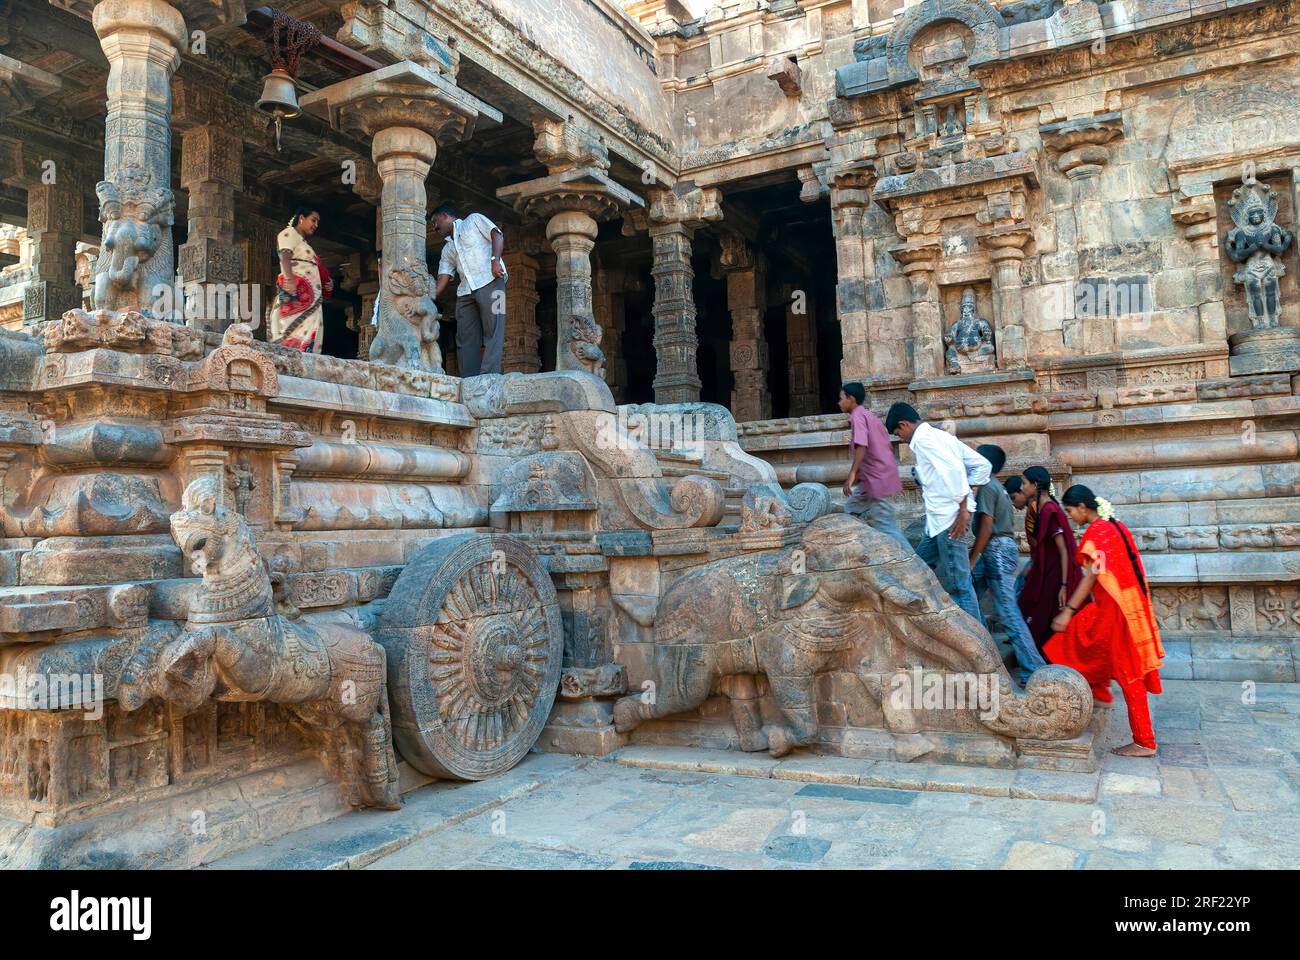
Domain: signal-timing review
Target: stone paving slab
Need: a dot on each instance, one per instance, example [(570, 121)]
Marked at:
[(668, 809), (885, 774), (359, 838)]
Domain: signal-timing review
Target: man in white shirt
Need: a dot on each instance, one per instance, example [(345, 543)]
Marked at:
[(947, 471), (473, 253)]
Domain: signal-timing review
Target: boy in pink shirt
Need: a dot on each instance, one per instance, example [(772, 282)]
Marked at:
[(874, 474)]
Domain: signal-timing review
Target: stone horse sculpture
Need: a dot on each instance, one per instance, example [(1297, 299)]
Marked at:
[(844, 597), (236, 647)]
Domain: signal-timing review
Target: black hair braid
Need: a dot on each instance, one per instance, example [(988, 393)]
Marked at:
[(1132, 557)]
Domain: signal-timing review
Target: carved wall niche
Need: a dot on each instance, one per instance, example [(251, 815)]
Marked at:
[(1234, 296), (950, 298)]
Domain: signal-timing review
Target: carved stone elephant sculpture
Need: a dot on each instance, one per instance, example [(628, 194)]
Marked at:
[(843, 598)]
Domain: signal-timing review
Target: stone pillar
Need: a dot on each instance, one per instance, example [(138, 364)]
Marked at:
[(212, 169), (54, 218), (141, 39), (607, 294), (855, 258), (1081, 154), (673, 219), (1196, 216), (403, 157), (1007, 250), (572, 234), (801, 353), (576, 194), (406, 109), (522, 353), (746, 299), (919, 260)]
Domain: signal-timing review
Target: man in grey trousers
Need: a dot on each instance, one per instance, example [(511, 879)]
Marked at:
[(473, 253)]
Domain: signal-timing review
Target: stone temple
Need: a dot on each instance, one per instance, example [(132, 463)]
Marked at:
[(276, 585)]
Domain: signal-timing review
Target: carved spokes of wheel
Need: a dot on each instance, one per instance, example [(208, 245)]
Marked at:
[(474, 639)]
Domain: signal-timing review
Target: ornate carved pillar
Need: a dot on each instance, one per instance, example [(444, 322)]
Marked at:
[(141, 39), (672, 220), (522, 333), (801, 351), (607, 292), (54, 219), (1081, 154), (406, 109), (212, 169), (573, 197), (854, 257), (919, 260), (1007, 251), (746, 299)]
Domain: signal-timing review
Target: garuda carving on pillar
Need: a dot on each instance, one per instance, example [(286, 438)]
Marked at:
[(841, 598), (236, 647), (408, 320)]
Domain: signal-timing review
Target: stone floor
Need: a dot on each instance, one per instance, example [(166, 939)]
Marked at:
[(1223, 792)]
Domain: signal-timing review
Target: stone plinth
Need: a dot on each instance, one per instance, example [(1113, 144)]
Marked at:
[(1271, 350)]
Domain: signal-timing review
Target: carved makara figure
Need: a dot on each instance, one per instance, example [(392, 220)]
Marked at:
[(133, 212), (584, 343), (970, 340), (408, 320), (236, 647), (1256, 242), (843, 598)]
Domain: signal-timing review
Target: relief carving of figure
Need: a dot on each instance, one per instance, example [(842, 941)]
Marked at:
[(584, 343), (236, 647), (1256, 242), (408, 320), (970, 340)]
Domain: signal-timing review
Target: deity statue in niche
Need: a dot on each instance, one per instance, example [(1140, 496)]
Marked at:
[(1256, 242), (969, 341)]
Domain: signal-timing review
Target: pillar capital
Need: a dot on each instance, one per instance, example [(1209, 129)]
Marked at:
[(1080, 143), (917, 256), (405, 95), (1007, 242), (584, 190), (689, 208)]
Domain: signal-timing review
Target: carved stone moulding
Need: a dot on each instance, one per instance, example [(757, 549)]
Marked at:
[(1268, 350)]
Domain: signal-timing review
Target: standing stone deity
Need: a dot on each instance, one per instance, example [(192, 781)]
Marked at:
[(1256, 242), (970, 340)]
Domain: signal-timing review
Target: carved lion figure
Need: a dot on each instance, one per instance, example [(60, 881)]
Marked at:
[(843, 598), (236, 647), (133, 212), (408, 320)]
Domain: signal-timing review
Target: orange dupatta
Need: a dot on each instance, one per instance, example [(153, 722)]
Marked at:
[(1104, 550)]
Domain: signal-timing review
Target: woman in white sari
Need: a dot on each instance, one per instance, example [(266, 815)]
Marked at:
[(297, 319)]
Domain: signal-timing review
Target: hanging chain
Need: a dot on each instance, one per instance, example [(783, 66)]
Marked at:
[(290, 39)]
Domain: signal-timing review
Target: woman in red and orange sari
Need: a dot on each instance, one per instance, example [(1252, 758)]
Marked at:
[(1115, 637)]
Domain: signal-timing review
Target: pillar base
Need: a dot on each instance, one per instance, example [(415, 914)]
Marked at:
[(1269, 350)]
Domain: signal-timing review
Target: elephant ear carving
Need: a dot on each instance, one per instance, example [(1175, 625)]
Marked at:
[(797, 590)]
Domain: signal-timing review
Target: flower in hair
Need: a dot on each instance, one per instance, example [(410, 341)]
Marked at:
[(1104, 509)]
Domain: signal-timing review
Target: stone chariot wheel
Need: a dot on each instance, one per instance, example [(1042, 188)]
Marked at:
[(474, 639)]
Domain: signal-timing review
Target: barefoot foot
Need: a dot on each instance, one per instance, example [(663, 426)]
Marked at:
[(1134, 750)]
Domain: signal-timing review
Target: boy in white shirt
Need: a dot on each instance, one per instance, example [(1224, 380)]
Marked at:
[(947, 471)]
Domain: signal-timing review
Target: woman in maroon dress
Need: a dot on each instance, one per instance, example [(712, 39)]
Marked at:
[(1054, 569)]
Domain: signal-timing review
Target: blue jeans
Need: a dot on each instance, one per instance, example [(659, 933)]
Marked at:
[(950, 560), (994, 570), (878, 514)]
